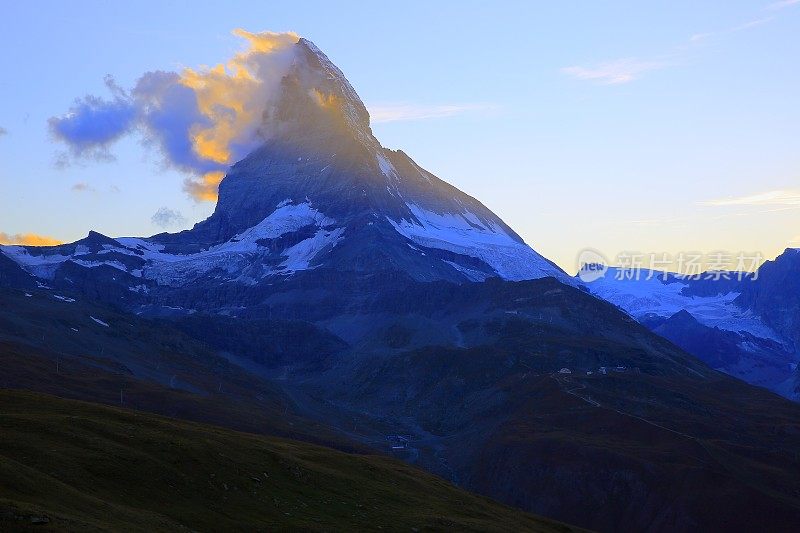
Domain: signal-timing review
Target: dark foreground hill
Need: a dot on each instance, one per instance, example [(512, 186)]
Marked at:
[(533, 393), (69, 465), (75, 349)]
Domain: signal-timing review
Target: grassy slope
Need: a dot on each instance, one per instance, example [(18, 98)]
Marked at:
[(673, 446), (88, 467), (717, 456), (51, 346), (28, 368)]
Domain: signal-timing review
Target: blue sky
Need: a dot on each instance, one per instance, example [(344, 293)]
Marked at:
[(652, 127)]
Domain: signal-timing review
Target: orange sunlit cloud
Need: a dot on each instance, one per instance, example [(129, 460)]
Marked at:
[(28, 239), (205, 189), (201, 119), (233, 98)]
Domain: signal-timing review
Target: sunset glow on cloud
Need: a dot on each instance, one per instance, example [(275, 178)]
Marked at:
[(234, 98), (201, 120), (28, 239)]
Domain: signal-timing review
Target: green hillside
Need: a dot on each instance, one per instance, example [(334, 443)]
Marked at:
[(70, 465)]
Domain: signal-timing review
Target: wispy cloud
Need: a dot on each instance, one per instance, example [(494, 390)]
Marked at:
[(82, 186), (777, 198), (166, 217), (201, 121), (28, 239), (658, 222), (783, 4), (626, 70), (697, 37), (404, 111), (93, 124), (3, 131), (615, 72), (689, 220)]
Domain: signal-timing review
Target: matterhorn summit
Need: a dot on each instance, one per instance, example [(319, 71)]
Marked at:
[(319, 194)]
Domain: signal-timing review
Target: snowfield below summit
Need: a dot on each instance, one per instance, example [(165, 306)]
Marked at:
[(466, 234)]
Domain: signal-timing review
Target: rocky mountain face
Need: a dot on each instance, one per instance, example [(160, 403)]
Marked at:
[(775, 294), (376, 298)]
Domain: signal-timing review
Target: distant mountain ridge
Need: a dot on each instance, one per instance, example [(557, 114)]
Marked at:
[(745, 325)]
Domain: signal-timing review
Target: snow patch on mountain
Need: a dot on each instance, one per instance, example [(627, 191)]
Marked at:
[(299, 256), (98, 321), (466, 234), (386, 166), (112, 264), (140, 247), (41, 265), (285, 219), (472, 275), (235, 257)]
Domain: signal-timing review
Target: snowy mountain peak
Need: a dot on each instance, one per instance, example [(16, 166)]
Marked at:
[(320, 192), (332, 88), (317, 108)]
